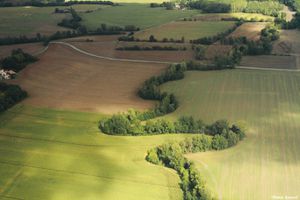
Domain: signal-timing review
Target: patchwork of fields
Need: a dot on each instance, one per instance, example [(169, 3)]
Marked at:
[(267, 162), (50, 144), (126, 15)]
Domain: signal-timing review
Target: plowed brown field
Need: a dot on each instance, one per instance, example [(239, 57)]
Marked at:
[(66, 79)]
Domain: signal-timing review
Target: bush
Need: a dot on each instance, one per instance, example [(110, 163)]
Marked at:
[(11, 94), (17, 60), (219, 142)]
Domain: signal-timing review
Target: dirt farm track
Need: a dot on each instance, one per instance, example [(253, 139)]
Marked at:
[(89, 84)]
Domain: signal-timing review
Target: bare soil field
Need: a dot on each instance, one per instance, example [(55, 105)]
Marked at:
[(89, 84), (217, 50), (251, 30), (31, 48), (289, 42), (270, 61)]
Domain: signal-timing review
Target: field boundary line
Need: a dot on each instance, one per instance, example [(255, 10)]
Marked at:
[(108, 58), (14, 163), (267, 69), (64, 142)]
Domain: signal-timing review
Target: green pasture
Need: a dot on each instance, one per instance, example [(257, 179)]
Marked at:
[(187, 29), (267, 162), (59, 155), (17, 21), (140, 15)]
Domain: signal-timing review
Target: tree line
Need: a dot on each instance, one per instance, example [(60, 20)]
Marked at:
[(10, 95), (172, 155), (131, 122), (17, 60), (152, 48), (102, 30), (48, 3), (131, 38)]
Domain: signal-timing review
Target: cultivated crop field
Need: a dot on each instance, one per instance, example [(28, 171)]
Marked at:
[(126, 15), (266, 163), (48, 154), (187, 29)]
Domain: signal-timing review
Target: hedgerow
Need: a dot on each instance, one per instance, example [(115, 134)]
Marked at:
[(172, 155)]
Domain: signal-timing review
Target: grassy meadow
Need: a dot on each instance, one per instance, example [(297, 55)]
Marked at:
[(266, 163), (17, 21), (126, 14), (58, 155), (188, 29)]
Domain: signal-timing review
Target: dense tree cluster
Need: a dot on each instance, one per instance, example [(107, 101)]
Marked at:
[(152, 48), (17, 60), (45, 3), (10, 95), (73, 22), (209, 6), (172, 155), (212, 39)]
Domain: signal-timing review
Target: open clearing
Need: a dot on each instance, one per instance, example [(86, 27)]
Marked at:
[(59, 155), (126, 14), (187, 29), (66, 79), (251, 30), (268, 159)]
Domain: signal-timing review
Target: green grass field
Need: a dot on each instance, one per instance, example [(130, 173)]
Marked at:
[(266, 163), (31, 20), (58, 155), (127, 15), (188, 30)]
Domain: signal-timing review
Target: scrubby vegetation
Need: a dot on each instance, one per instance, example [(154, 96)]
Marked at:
[(17, 60), (250, 47), (10, 95), (172, 155)]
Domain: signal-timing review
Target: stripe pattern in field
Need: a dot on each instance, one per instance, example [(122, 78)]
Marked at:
[(267, 162)]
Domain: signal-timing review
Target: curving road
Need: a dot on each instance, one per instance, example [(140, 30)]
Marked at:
[(148, 61)]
